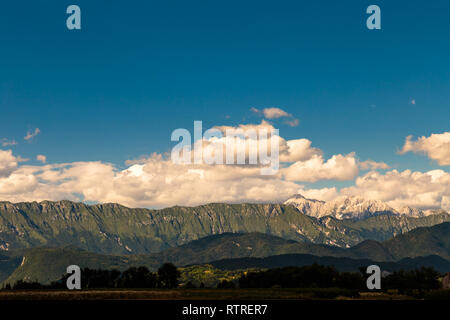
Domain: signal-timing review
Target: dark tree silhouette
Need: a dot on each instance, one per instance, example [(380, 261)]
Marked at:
[(421, 280), (224, 284), (138, 278), (314, 276), (168, 275)]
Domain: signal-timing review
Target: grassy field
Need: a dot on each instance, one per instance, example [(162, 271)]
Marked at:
[(197, 294)]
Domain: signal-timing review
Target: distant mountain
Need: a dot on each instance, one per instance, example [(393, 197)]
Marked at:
[(47, 264), (115, 229), (424, 241), (433, 240), (352, 208)]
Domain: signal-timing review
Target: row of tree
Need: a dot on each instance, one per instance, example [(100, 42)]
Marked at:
[(420, 280), (135, 277), (314, 276), (317, 276)]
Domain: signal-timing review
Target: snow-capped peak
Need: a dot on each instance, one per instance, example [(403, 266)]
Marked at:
[(350, 207)]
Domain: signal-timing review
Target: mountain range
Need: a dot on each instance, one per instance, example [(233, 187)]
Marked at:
[(115, 229), (38, 240)]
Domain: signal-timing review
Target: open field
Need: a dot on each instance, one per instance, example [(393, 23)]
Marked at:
[(194, 294)]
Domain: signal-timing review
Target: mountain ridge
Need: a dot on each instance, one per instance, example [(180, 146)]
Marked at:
[(116, 229)]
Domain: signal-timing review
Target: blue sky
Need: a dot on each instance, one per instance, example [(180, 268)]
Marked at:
[(140, 69)]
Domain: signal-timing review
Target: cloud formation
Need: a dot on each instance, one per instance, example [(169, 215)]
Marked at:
[(41, 158), (436, 147), (31, 134), (8, 163), (373, 165), (157, 182), (276, 113), (338, 167), (407, 188), (424, 190)]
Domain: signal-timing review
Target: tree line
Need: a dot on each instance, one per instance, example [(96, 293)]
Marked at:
[(313, 276), (167, 276), (317, 276)]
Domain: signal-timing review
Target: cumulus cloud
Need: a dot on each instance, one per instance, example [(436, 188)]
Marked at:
[(407, 188), (289, 150), (436, 147), (8, 163), (338, 167), (276, 113), (373, 165), (156, 181), (323, 194), (423, 190), (31, 134), (41, 158), (297, 150)]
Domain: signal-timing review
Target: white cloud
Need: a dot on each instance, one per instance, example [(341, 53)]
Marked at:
[(297, 150), (424, 190), (8, 163), (276, 113), (324, 194), (31, 134), (338, 167), (158, 182), (436, 147), (373, 165), (289, 150), (417, 189), (41, 158)]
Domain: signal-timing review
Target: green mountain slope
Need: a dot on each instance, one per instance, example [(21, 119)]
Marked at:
[(422, 241), (46, 264), (115, 229)]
